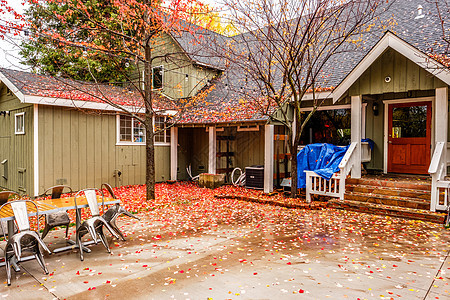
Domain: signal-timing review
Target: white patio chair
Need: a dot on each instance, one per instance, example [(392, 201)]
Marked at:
[(115, 211), (93, 225), (25, 240)]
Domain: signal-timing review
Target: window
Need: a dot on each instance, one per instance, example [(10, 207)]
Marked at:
[(157, 77), (162, 133), (19, 123), (328, 126), (131, 131)]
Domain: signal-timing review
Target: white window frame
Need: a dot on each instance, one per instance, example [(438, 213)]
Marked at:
[(23, 123), (126, 143), (162, 78), (166, 137)]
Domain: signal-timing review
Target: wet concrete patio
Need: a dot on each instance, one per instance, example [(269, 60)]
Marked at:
[(284, 254)]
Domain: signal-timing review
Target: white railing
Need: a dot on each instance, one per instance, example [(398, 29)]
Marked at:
[(439, 186), (335, 187)]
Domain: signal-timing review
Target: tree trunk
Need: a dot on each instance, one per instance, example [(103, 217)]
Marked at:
[(294, 171), (294, 150), (150, 157), (149, 143)]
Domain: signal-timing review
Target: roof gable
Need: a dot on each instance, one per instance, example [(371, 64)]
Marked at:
[(390, 40)]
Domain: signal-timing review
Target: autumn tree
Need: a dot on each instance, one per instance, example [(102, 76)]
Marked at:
[(11, 21), (123, 32), (51, 57), (443, 14), (282, 54)]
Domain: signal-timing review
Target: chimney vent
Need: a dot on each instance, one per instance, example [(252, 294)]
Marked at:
[(420, 14)]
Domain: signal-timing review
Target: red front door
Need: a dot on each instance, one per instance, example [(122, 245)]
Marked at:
[(409, 137)]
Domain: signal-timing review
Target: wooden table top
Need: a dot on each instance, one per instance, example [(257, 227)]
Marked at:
[(69, 202), (53, 205)]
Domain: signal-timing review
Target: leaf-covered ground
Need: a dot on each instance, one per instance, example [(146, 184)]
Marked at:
[(190, 244)]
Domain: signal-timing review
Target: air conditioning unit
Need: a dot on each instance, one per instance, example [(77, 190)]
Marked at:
[(254, 177)]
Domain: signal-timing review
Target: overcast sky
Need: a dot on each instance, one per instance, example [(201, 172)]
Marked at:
[(9, 56)]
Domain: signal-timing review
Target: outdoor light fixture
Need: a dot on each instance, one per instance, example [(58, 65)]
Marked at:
[(387, 79), (375, 108)]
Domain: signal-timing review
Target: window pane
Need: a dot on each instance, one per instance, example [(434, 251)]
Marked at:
[(409, 121), (20, 123), (157, 77), (328, 126), (167, 135), (125, 129), (159, 126), (138, 132)]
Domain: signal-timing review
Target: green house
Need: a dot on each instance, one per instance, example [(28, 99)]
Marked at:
[(56, 131)]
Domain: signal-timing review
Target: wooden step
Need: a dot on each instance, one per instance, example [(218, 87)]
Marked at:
[(387, 210), (424, 185), (407, 202), (389, 191)]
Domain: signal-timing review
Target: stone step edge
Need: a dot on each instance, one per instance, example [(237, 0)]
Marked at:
[(389, 197), (395, 184), (380, 209), (388, 188)]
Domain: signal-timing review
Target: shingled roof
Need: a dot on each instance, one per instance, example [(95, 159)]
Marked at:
[(226, 101), (424, 33), (34, 88)]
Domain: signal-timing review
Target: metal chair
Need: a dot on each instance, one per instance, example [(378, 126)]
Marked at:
[(60, 218), (95, 224), (6, 195), (25, 240), (115, 211)]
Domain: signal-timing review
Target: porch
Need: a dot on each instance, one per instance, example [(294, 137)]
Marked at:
[(397, 97)]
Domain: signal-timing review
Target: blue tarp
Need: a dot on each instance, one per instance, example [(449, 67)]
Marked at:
[(323, 159)]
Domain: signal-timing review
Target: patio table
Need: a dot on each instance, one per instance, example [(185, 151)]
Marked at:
[(54, 205)]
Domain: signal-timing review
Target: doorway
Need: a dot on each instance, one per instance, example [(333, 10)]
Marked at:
[(409, 137)]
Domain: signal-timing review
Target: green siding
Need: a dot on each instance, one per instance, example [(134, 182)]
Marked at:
[(16, 149), (405, 76), (175, 84), (375, 131), (176, 66), (79, 149), (192, 153), (248, 148)]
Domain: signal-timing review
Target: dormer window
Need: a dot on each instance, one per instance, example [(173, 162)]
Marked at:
[(157, 77)]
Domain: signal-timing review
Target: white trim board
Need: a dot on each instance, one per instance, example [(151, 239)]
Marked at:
[(12, 87), (36, 148), (390, 40)]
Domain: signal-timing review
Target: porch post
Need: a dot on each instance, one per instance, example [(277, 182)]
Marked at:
[(440, 129), (268, 158), (173, 153), (441, 136), (356, 111), (212, 151)]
